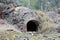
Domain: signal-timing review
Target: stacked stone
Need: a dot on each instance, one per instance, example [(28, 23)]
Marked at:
[(6, 7), (58, 20), (16, 14), (52, 15), (55, 15), (20, 16)]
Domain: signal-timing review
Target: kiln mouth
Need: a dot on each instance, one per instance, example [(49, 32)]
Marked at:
[(32, 25)]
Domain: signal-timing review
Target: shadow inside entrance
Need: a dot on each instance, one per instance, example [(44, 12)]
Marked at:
[(32, 25)]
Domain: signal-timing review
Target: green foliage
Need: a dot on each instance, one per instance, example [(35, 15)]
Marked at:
[(29, 3), (41, 4)]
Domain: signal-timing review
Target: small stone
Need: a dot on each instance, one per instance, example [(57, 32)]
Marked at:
[(53, 39)]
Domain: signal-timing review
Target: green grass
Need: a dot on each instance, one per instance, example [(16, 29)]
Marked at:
[(12, 35)]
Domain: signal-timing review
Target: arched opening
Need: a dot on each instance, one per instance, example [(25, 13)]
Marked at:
[(32, 25)]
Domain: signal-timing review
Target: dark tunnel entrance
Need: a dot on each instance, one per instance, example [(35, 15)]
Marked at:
[(32, 26)]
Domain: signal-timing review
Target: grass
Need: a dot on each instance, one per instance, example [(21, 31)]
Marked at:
[(12, 35)]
